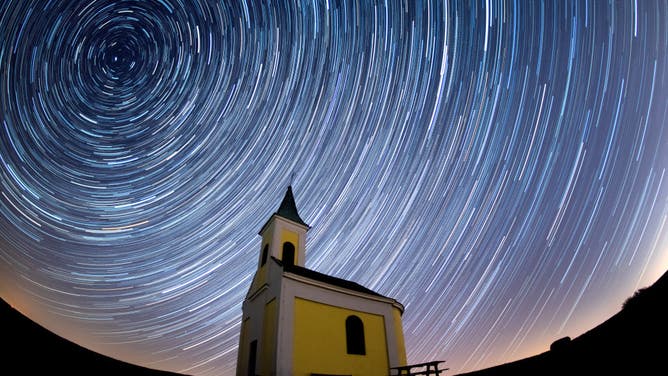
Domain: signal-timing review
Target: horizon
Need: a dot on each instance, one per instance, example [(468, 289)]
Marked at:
[(499, 169)]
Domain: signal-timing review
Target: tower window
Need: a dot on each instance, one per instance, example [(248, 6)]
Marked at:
[(265, 252), (355, 336), (288, 254)]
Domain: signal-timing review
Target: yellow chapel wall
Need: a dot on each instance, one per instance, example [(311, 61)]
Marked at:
[(399, 335), (261, 273), (269, 327), (260, 277), (242, 355), (320, 341)]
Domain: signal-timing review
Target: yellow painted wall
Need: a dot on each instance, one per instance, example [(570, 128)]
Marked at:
[(320, 342), (260, 277), (266, 240), (268, 338), (242, 358), (399, 333), (292, 237), (266, 235), (259, 260)]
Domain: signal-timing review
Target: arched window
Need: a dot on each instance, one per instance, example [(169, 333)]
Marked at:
[(288, 254), (355, 336), (265, 252)]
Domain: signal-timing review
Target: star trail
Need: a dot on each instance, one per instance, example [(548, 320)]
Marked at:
[(497, 167)]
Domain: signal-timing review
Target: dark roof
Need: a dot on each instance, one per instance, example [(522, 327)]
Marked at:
[(288, 208), (312, 274)]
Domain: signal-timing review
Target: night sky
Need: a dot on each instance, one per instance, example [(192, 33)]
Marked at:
[(497, 167)]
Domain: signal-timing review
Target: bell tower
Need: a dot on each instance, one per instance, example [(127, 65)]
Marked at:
[(283, 245), (284, 234)]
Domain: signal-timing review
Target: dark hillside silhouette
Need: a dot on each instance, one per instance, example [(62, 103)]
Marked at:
[(632, 342), (29, 349)]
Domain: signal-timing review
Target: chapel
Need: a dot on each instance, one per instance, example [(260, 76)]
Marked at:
[(300, 322)]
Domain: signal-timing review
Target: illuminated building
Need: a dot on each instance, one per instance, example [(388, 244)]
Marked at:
[(297, 321)]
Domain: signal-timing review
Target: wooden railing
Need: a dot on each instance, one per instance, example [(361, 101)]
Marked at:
[(423, 369)]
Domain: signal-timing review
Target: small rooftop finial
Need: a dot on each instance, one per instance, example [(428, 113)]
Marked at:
[(288, 208)]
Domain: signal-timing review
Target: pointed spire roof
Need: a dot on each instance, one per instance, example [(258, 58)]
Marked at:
[(288, 208)]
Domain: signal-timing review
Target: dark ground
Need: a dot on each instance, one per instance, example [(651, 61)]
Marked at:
[(29, 349), (632, 342)]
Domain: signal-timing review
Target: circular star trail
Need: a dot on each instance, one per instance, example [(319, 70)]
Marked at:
[(497, 167)]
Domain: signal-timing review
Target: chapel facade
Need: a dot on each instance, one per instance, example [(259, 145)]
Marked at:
[(300, 322)]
